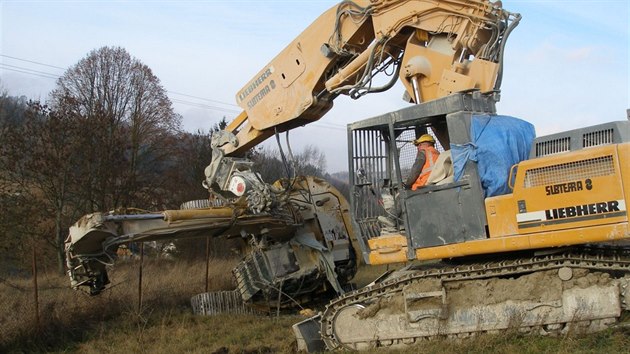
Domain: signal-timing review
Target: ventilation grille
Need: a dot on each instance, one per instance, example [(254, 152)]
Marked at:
[(580, 140), (555, 146), (569, 172), (600, 137)]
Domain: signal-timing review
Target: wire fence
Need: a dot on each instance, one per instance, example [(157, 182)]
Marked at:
[(43, 302)]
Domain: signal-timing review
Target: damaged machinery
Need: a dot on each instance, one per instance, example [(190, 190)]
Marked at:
[(300, 248)]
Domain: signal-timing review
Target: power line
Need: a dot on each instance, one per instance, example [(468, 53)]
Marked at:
[(174, 100), (30, 72), (201, 105), (32, 61), (323, 125), (328, 126), (58, 67), (201, 98), (48, 75)]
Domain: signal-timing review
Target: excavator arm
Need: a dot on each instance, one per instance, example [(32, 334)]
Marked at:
[(433, 47)]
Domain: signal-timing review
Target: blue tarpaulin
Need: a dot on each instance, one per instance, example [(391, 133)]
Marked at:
[(497, 143)]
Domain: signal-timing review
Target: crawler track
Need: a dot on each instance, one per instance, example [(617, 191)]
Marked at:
[(609, 260)]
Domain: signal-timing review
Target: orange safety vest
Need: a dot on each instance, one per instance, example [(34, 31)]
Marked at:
[(431, 155)]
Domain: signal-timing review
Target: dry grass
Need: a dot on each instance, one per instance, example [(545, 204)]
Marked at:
[(66, 316), (178, 332), (112, 323), (512, 342)]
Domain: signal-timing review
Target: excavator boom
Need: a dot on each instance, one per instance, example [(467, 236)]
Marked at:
[(433, 48)]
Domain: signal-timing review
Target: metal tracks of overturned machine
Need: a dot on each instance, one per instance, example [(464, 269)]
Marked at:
[(420, 304)]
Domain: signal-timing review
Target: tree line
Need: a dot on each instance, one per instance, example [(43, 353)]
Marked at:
[(107, 138)]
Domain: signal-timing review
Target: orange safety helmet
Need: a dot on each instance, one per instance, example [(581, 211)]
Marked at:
[(424, 138)]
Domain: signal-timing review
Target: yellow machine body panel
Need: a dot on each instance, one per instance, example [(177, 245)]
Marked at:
[(571, 190), (559, 200), (564, 191)]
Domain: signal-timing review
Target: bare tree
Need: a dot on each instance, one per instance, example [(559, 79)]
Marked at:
[(103, 143), (309, 162), (127, 117), (21, 220), (37, 165), (12, 112)]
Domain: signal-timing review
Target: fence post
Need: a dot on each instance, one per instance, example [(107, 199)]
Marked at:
[(140, 277), (35, 287), (207, 260)]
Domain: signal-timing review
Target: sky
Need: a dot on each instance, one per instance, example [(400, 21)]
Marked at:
[(567, 64)]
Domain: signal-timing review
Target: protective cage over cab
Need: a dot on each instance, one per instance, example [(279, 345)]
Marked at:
[(448, 210)]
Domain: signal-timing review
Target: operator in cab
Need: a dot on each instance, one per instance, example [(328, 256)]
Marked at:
[(425, 160)]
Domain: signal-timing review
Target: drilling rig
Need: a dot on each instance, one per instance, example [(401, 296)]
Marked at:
[(531, 232)]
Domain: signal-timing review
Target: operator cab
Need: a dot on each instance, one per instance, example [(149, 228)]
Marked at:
[(381, 156)]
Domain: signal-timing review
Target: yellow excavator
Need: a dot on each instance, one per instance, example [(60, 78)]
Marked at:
[(522, 232)]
